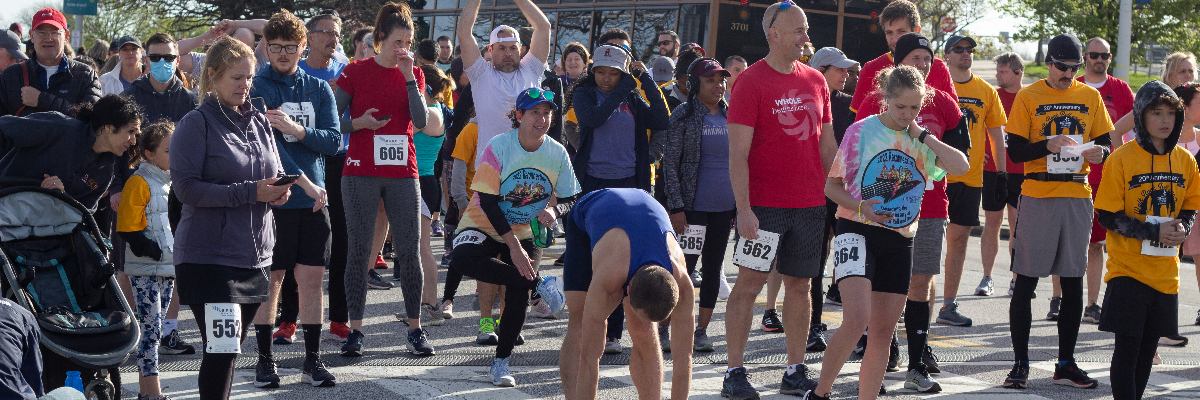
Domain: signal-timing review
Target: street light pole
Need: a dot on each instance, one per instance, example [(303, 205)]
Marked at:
[(1124, 31)]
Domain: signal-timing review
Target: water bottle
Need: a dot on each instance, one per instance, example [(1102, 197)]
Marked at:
[(543, 237), (74, 381)]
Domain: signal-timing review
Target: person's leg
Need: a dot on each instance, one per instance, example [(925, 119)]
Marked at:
[(487, 261), (215, 377), (152, 295), (774, 282), (989, 241), (289, 299), (956, 252), (616, 323), (401, 199), (1020, 317), (308, 281), (739, 312), (380, 235), (1145, 361), (1095, 271), (569, 356), (264, 319), (856, 307), (1069, 318), (171, 323), (885, 309), (713, 258), (337, 243), (360, 195), (917, 311), (1123, 369), (429, 264), (797, 292)]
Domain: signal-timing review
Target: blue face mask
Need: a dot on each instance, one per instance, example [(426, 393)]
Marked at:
[(162, 71)]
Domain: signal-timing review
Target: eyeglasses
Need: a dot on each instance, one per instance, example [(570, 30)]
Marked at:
[(1064, 67), (332, 33), (48, 33), (161, 57), (783, 6), (960, 50), (536, 93), (1099, 56), (666, 42), (278, 48)]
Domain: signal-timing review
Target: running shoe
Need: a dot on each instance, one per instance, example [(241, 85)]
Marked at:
[(1197, 317), (918, 379), (860, 348), (376, 281), (354, 344), (266, 376), (724, 290), (1071, 375), (797, 382), (949, 315), (540, 309), (931, 361), (447, 308), (986, 287), (316, 374), (552, 294), (339, 331), (833, 295), (893, 364), (151, 397), (771, 322), (1157, 360), (1091, 314), (558, 262), (487, 333), (380, 263), (664, 337), (695, 277), (285, 333), (1012, 283), (175, 345), (613, 346), (702, 343), (1055, 305), (501, 376), (816, 341), (736, 385), (418, 343), (812, 395), (432, 314), (436, 229), (1018, 378), (445, 263), (1173, 341)]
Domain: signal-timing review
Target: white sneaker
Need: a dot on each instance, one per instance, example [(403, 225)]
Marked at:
[(447, 308), (725, 289), (613, 346), (501, 376), (541, 310), (432, 315)]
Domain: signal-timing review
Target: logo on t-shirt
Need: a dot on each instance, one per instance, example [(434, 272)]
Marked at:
[(1062, 124), (524, 193), (892, 177), (1159, 197), (798, 114), (969, 112)]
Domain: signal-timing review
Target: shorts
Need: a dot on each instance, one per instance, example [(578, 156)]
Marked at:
[(431, 193), (801, 238), (964, 203), (211, 283), (830, 216), (887, 261), (927, 246), (1052, 238), (301, 237), (1135, 309), (577, 258), (991, 199), (1098, 231)]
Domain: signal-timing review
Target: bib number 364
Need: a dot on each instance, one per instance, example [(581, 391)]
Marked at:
[(757, 254), (224, 324), (849, 255)]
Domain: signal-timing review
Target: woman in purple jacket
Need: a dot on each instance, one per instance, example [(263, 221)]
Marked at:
[(224, 166)]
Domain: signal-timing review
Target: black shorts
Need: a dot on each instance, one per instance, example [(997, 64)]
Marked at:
[(992, 201), (801, 238), (577, 258), (431, 193), (1135, 309), (301, 237), (885, 257), (964, 203)]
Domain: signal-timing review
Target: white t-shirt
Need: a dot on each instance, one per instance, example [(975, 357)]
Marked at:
[(495, 94), (50, 71)]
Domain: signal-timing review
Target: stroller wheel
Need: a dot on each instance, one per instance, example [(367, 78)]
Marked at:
[(101, 390)]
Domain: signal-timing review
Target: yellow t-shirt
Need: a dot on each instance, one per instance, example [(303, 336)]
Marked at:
[(1138, 184), (464, 149), (131, 210), (1040, 111), (982, 110)]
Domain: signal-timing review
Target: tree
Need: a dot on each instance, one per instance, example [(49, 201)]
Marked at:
[(964, 12), (1170, 23)]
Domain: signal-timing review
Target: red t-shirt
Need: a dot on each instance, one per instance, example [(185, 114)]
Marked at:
[(786, 112), (387, 152), (1007, 99), (939, 115), (1118, 99), (939, 78)]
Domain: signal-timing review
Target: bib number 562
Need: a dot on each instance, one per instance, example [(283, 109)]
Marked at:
[(757, 254)]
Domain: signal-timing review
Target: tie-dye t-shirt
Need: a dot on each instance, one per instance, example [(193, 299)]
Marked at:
[(524, 180), (876, 162)]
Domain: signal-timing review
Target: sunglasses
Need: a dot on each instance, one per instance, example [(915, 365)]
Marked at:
[(960, 50), (278, 48), (665, 42), (536, 93), (1064, 67), (161, 57), (783, 6), (1098, 56)]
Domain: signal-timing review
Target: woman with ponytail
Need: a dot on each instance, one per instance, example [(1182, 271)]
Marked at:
[(428, 144)]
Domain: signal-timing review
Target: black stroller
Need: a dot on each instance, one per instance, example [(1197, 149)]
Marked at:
[(56, 265)]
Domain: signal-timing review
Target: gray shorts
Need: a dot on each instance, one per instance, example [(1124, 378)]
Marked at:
[(1052, 238), (801, 238), (927, 246)]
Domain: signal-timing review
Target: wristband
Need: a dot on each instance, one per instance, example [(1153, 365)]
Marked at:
[(921, 137)]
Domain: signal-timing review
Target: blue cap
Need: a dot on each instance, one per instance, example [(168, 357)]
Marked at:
[(530, 98)]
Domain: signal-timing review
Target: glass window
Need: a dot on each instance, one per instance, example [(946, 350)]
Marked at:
[(482, 29), (447, 4), (423, 25), (738, 31), (576, 1), (573, 26), (614, 19), (822, 30), (693, 23), (862, 40), (649, 23), (513, 19), (864, 7), (444, 25), (827, 5)]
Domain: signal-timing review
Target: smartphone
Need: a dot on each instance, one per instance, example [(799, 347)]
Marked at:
[(259, 104), (286, 179), (382, 117)]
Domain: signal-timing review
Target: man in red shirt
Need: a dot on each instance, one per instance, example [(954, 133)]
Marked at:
[(781, 144), (898, 18), (1000, 190)]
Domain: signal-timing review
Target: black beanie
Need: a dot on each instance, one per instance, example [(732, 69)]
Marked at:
[(909, 42), (1064, 48)]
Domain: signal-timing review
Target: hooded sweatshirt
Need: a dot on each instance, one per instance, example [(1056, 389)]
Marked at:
[(1142, 187)]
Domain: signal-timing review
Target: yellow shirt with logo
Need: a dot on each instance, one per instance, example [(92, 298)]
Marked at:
[(1138, 184), (981, 108), (1040, 111), (464, 149)]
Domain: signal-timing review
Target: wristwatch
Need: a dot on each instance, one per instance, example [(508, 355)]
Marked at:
[(921, 137)]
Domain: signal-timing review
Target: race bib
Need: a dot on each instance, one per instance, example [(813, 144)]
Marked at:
[(1064, 162), (849, 256), (692, 240), (1156, 248), (302, 113), (469, 236), (391, 150), (756, 254), (224, 324)]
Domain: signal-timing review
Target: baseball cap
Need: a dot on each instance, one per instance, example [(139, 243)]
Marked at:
[(1064, 48), (955, 39), (530, 98), (827, 56), (124, 40), (495, 36), (662, 69), (11, 42), (703, 67), (607, 55), (908, 43), (49, 15)]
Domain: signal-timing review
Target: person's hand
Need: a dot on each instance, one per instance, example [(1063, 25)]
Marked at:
[(636, 67), (1171, 233), (747, 224), (319, 196), (284, 123), (1056, 143), (547, 217), (679, 222), (462, 203), (29, 96), (114, 201), (1094, 155), (868, 212), (283, 199), (521, 261), (52, 182), (268, 193), (368, 121), (404, 60), (914, 130), (218, 29)]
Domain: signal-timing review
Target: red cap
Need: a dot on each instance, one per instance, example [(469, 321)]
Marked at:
[(49, 15), (706, 67)]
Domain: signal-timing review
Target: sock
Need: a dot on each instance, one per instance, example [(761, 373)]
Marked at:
[(730, 370), (262, 336), (916, 325), (169, 326), (312, 339), (791, 368), (1064, 362)]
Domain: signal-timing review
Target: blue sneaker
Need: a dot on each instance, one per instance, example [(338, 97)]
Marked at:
[(551, 293), (501, 376)]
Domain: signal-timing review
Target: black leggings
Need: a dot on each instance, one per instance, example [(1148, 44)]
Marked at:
[(453, 277), (1020, 315), (489, 261), (216, 370), (716, 237), (337, 248), (1132, 359)]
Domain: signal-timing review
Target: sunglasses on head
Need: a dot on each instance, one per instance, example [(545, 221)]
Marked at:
[(1064, 67), (783, 6), (161, 57), (1098, 55), (960, 50), (536, 93)]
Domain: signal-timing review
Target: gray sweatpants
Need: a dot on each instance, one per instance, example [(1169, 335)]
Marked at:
[(401, 202)]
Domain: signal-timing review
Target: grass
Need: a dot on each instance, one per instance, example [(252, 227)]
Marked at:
[(1136, 79)]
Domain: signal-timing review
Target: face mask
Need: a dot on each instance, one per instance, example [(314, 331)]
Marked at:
[(162, 71)]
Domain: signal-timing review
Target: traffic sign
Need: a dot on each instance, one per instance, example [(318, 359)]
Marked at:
[(948, 24), (79, 7)]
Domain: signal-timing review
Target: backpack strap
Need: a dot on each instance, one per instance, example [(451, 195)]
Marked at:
[(25, 82)]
